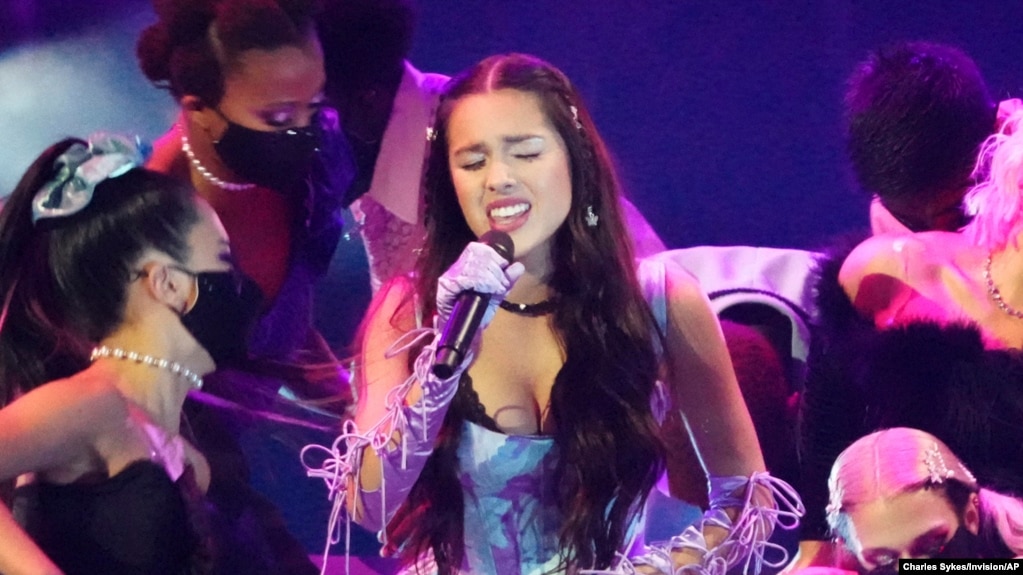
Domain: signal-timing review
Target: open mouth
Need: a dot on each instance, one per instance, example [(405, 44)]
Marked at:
[(508, 212)]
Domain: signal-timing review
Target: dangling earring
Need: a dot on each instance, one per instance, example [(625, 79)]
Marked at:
[(591, 218)]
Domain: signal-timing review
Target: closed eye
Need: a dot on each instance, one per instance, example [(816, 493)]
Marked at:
[(528, 157), (279, 120)]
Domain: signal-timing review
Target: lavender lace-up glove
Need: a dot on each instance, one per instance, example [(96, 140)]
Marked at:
[(403, 439), (763, 503), (480, 269), (415, 426)]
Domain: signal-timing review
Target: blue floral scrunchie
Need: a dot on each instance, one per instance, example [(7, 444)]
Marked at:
[(80, 168)]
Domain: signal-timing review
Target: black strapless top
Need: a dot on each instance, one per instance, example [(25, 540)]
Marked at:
[(134, 523)]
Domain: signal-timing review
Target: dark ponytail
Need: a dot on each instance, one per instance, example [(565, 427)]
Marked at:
[(64, 279)]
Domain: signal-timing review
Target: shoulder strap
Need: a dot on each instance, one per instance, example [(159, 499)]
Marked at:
[(651, 276)]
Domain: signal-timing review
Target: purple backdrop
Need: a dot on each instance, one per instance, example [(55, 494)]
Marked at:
[(724, 117)]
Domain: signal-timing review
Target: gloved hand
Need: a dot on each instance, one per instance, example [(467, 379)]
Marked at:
[(478, 269)]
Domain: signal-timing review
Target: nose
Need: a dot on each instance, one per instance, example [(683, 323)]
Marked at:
[(499, 177), (308, 115)]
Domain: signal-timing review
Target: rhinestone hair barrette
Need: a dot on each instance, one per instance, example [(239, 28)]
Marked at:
[(937, 471)]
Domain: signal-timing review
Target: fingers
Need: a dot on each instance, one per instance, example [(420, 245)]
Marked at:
[(514, 272), (479, 269)]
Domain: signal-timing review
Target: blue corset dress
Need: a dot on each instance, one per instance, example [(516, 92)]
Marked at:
[(511, 523)]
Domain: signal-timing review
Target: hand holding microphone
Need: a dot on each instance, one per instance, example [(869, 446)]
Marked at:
[(468, 295)]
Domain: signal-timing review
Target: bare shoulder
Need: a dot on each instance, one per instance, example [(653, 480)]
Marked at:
[(57, 423), (86, 402), (691, 323), (683, 290), (886, 260), (885, 254)]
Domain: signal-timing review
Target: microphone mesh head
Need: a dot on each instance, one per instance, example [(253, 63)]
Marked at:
[(501, 242)]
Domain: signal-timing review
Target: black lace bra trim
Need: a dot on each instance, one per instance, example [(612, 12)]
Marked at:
[(467, 402)]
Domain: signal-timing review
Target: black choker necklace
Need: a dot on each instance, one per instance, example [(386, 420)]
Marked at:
[(530, 309)]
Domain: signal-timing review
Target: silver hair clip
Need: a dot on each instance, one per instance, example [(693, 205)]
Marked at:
[(591, 218), (431, 134), (937, 471), (575, 117)]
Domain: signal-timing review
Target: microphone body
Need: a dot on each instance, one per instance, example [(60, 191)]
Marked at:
[(467, 313)]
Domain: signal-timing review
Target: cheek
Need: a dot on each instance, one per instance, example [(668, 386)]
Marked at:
[(469, 202), (560, 186)]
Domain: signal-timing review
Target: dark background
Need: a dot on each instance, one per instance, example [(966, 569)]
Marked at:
[(724, 116)]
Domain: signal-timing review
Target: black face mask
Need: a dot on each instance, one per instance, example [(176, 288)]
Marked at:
[(962, 545), (278, 160), (224, 312)]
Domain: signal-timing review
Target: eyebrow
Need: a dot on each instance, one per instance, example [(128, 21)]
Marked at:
[(507, 140)]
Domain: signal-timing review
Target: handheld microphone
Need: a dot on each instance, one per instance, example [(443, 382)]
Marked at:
[(467, 314)]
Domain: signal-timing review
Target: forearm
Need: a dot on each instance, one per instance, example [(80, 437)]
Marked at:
[(371, 471), (390, 469), (19, 555), (733, 533)]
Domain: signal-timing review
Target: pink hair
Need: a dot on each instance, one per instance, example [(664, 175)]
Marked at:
[(996, 203), (893, 461)]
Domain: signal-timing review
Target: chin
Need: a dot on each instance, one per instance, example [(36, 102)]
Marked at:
[(203, 362)]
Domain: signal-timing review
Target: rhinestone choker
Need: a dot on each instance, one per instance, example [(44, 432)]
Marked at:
[(171, 366), (530, 309), (206, 174), (996, 296)]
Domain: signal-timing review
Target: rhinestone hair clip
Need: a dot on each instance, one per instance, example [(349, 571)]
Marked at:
[(937, 471)]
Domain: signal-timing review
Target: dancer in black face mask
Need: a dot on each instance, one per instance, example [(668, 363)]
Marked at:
[(901, 493), (95, 365), (256, 140), (279, 159)]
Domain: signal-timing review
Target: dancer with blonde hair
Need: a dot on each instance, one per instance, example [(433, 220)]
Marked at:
[(902, 493)]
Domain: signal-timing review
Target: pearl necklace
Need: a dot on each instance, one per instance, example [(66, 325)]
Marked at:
[(992, 290), (206, 174), (171, 366)]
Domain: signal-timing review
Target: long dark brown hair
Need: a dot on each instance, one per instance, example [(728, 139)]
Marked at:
[(606, 437)]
